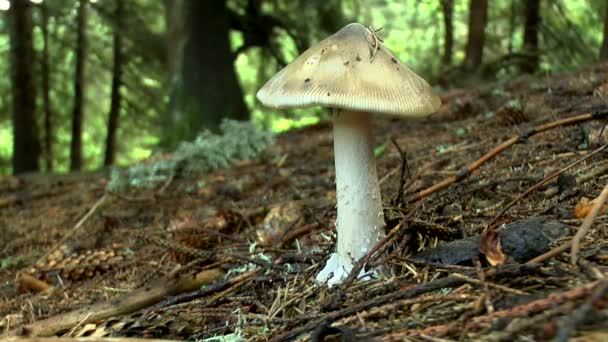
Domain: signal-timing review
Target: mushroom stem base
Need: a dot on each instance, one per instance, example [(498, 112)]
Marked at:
[(360, 222)]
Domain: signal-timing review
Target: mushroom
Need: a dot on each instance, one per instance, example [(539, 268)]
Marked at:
[(355, 75)]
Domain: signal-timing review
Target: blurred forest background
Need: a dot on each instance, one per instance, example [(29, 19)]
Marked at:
[(103, 82)]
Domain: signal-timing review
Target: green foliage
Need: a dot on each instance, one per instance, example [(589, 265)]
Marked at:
[(6, 145), (570, 37), (514, 104), (7, 262), (209, 151), (237, 141)]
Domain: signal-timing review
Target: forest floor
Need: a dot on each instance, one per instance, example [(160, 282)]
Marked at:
[(234, 253)]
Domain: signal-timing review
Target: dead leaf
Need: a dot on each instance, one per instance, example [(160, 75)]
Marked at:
[(278, 221), (27, 283), (584, 205), (491, 247), (203, 230), (596, 133)]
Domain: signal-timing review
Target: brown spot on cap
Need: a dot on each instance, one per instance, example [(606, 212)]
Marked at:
[(393, 60), (358, 58), (307, 80), (347, 63)]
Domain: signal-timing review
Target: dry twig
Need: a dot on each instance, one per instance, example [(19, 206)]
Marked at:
[(544, 181), (410, 292), (133, 301), (582, 231), (573, 320), (480, 322), (599, 114), (76, 227)]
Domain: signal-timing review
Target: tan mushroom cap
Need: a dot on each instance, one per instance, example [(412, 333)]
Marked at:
[(339, 72)]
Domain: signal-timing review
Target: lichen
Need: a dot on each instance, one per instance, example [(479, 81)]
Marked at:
[(514, 104), (208, 152)]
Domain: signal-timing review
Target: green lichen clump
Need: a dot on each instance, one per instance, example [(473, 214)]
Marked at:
[(514, 104), (208, 152)]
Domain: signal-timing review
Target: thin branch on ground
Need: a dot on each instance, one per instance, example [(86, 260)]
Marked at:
[(572, 321), (523, 311), (584, 228), (405, 173), (599, 114), (76, 227), (130, 302), (409, 292), (543, 182), (378, 248)]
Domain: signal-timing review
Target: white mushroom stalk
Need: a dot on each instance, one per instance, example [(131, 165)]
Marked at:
[(360, 222), (352, 72)]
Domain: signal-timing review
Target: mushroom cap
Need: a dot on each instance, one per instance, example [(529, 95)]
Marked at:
[(344, 71)]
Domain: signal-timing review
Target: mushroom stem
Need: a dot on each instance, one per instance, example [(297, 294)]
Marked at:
[(360, 222)]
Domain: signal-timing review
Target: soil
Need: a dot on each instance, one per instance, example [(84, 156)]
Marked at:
[(234, 252)]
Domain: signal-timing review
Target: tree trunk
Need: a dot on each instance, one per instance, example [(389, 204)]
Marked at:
[(114, 114), (478, 16), (330, 15), (77, 114), (46, 88), (604, 49), (531, 26), (26, 143), (512, 19), (207, 89), (447, 8), (175, 12)]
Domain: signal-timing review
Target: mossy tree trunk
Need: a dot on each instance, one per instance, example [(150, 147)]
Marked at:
[(26, 142), (205, 87)]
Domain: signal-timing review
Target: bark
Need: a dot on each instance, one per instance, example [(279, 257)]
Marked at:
[(478, 16), (78, 113), (604, 48), (512, 19), (26, 143), (46, 88), (531, 27), (176, 34), (447, 8), (206, 89), (114, 114), (331, 16)]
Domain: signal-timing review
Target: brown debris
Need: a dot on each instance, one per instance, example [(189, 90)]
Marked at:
[(491, 247), (583, 207), (77, 265), (261, 231)]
